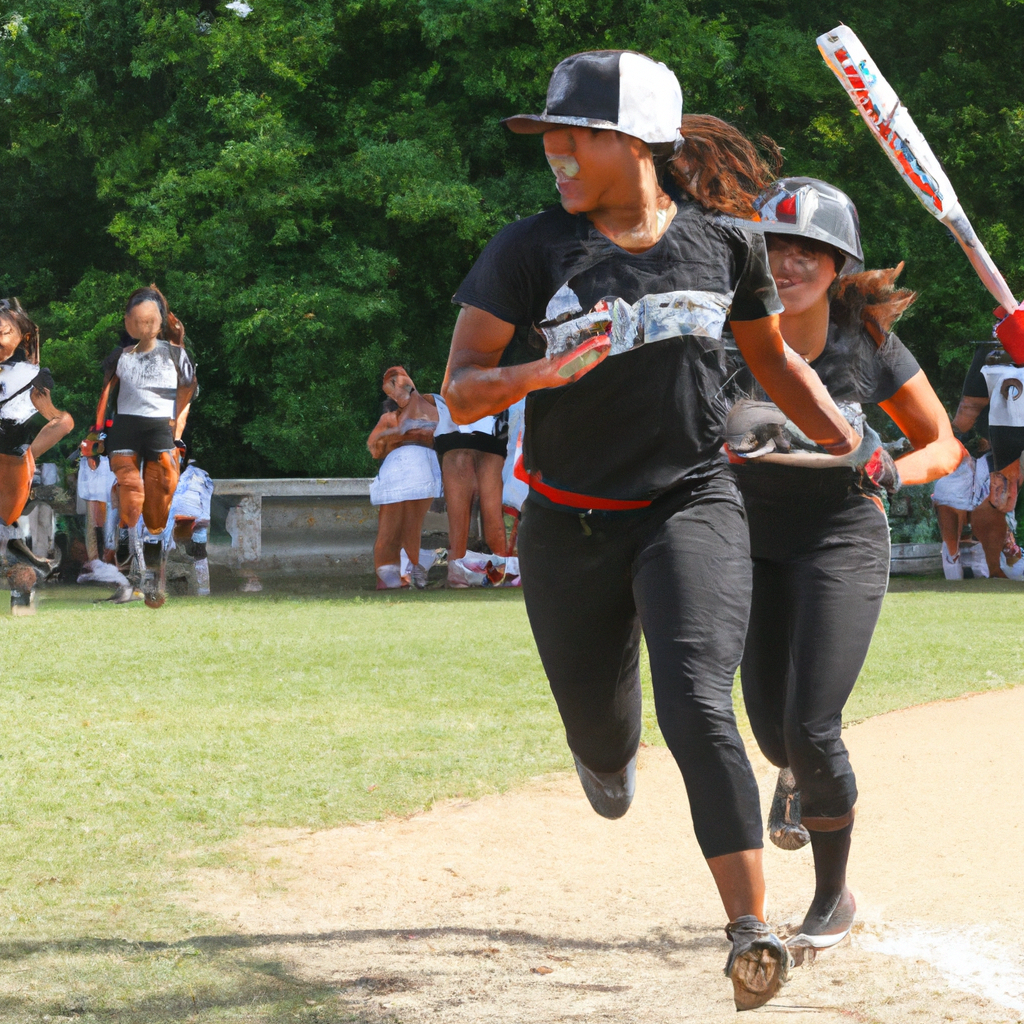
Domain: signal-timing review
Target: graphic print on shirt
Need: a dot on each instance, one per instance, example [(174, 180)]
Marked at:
[(650, 417), (149, 382)]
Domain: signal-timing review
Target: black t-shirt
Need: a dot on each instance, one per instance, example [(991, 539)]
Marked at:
[(650, 419), (856, 371)]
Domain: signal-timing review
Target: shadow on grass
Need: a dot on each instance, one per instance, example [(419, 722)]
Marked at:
[(232, 977)]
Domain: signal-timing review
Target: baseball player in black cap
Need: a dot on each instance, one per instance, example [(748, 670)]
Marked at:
[(606, 312)]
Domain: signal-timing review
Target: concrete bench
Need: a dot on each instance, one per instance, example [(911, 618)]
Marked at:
[(301, 526)]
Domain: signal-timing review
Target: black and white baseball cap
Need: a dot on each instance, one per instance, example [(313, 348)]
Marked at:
[(616, 89)]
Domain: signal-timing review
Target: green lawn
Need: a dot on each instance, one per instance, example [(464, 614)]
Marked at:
[(137, 743)]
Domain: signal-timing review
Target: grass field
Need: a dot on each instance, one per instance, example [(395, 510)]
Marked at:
[(136, 745)]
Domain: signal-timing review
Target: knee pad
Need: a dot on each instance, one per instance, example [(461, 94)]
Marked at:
[(160, 477), (16, 473), (129, 487)]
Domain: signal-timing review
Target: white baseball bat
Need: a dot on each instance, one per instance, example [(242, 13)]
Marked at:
[(894, 129)]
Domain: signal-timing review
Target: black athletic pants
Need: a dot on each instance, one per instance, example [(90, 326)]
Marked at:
[(821, 565), (680, 571)]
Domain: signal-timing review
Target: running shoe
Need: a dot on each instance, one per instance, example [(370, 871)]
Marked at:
[(784, 828), (609, 793), (419, 576), (1011, 572), (825, 928), (952, 568), (459, 577), (389, 577), (758, 963)]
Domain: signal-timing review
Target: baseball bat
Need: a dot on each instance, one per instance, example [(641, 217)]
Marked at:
[(894, 130)]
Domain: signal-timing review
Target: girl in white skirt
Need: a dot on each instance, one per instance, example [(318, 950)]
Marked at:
[(408, 480)]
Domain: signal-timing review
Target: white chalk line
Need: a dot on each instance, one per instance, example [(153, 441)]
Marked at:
[(967, 957)]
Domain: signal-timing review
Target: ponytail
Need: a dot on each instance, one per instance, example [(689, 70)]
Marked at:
[(720, 168)]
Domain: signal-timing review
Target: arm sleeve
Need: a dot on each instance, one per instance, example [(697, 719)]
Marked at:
[(755, 296), (894, 366), (974, 382), (502, 281)]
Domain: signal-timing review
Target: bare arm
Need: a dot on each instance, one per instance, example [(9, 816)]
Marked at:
[(967, 413), (792, 385), (59, 423), (181, 419), (474, 384), (917, 411), (382, 434)]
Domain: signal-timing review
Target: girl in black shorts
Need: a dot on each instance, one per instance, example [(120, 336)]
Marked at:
[(819, 538), (149, 384), (634, 521)]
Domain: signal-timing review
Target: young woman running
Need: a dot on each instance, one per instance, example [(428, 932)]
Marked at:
[(633, 521), (149, 384), (819, 537), (25, 389)]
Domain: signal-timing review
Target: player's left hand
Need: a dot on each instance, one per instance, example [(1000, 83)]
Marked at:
[(876, 463)]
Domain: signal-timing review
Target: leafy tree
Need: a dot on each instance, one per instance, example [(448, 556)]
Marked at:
[(310, 182)]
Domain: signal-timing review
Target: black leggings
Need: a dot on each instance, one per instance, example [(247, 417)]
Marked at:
[(821, 565), (680, 571)]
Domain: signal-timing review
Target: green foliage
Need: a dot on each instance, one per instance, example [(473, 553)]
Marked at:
[(311, 182)]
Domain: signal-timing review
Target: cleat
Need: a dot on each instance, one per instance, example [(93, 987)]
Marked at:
[(784, 828), (825, 929), (609, 793), (758, 963)]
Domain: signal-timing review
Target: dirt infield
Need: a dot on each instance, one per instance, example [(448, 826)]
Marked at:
[(529, 907)]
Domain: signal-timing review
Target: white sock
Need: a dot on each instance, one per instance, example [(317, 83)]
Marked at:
[(390, 576)]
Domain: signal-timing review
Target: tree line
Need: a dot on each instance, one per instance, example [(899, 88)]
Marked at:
[(309, 182)]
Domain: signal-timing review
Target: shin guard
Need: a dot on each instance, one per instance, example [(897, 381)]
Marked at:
[(160, 478)]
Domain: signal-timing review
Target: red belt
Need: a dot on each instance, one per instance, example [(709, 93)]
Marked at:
[(571, 498)]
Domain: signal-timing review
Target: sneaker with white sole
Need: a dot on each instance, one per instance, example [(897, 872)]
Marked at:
[(824, 929), (459, 577)]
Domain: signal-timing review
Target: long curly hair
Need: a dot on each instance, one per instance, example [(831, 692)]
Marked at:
[(719, 167), (872, 298)]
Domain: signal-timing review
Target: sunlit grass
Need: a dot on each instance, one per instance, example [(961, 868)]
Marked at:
[(135, 744)]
